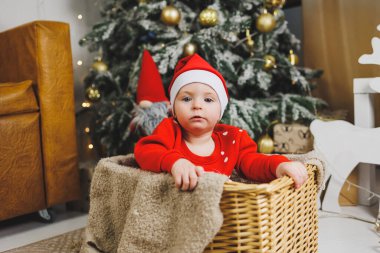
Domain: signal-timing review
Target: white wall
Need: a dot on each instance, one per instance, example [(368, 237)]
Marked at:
[(18, 12)]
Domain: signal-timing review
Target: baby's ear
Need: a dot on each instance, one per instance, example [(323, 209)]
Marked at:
[(170, 110)]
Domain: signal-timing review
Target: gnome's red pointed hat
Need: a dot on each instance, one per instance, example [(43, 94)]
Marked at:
[(193, 69), (150, 86)]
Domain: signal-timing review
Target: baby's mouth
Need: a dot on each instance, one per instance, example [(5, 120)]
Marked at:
[(196, 117)]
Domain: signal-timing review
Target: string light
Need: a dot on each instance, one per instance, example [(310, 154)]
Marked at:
[(86, 104), (80, 62)]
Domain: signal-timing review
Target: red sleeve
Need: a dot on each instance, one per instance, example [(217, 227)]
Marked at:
[(156, 152), (254, 165)]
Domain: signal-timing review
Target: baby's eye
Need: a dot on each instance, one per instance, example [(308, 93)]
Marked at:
[(209, 100), (186, 99)]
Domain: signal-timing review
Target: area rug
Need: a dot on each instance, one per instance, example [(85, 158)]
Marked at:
[(66, 243)]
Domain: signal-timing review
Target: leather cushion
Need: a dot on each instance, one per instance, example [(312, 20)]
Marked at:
[(17, 98)]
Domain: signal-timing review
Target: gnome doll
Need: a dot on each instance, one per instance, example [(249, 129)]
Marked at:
[(152, 103)]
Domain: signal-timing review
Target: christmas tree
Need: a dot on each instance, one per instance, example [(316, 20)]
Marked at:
[(247, 41)]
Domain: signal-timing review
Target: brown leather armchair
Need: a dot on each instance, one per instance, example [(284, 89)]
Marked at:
[(38, 152)]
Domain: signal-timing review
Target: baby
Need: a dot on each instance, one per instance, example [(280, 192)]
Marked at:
[(193, 142)]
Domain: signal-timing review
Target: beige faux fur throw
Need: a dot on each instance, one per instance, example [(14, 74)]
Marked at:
[(132, 210)]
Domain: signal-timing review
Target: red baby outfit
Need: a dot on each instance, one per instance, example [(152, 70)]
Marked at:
[(233, 148)]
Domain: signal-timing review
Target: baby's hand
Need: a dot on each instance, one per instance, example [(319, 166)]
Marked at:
[(186, 174), (295, 170)]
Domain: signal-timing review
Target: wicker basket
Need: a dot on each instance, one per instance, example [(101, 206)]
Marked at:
[(271, 217)]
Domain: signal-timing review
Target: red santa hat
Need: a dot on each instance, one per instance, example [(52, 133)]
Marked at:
[(193, 69), (150, 86)]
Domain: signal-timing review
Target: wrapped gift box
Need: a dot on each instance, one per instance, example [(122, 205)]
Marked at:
[(292, 138)]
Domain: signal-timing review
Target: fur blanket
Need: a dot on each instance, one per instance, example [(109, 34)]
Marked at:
[(138, 211)]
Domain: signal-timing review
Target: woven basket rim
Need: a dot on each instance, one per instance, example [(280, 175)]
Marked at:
[(275, 185)]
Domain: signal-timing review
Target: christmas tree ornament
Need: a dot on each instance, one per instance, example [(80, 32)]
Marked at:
[(189, 48), (265, 144), (170, 15), (93, 93), (99, 65), (269, 62), (275, 3), (150, 88), (208, 17), (293, 58), (149, 36), (250, 43), (265, 22)]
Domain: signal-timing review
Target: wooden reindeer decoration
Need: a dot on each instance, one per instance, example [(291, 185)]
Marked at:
[(343, 146)]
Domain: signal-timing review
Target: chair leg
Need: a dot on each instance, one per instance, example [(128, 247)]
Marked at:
[(46, 215)]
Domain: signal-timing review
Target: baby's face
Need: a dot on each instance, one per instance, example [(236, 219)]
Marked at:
[(197, 108)]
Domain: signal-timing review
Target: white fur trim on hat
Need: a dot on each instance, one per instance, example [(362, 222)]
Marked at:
[(200, 76)]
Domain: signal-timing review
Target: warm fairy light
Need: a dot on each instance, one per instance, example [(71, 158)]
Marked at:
[(90, 146), (79, 62), (86, 104), (80, 16), (87, 129)]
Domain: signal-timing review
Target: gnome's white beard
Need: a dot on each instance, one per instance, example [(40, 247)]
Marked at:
[(147, 119)]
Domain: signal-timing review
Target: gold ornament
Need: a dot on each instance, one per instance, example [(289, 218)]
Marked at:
[(275, 3), (265, 22), (250, 43), (265, 144), (99, 65), (189, 49), (208, 17), (279, 15), (170, 15), (293, 58), (270, 62), (92, 93)]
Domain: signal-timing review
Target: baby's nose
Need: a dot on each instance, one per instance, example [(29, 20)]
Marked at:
[(197, 104)]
